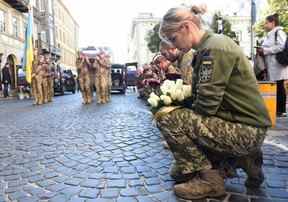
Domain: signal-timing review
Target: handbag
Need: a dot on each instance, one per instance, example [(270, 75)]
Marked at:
[(260, 68)]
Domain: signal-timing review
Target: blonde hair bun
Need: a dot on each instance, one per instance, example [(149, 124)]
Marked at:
[(198, 10)]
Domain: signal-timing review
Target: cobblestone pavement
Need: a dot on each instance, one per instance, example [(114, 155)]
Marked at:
[(65, 151)]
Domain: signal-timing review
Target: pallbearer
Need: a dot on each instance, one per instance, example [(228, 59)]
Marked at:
[(82, 64)]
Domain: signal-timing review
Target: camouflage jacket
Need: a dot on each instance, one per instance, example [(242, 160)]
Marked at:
[(224, 84)]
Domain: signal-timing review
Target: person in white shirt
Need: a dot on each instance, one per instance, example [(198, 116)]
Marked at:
[(273, 43)]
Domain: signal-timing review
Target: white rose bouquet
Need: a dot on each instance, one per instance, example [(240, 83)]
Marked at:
[(172, 94)]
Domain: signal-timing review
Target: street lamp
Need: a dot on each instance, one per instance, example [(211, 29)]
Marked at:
[(253, 20)]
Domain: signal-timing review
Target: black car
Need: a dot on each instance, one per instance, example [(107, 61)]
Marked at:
[(119, 78), (64, 81), (131, 73), (69, 81), (58, 81)]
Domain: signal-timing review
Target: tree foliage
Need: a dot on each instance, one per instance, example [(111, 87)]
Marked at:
[(274, 6), (153, 39)]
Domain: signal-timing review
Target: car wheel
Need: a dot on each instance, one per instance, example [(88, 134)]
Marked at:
[(123, 91), (62, 91)]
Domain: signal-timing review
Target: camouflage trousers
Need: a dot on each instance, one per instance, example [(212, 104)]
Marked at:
[(102, 89), (40, 89), (85, 89), (189, 134), (50, 94)]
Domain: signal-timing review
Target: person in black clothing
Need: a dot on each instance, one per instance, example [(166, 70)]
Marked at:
[(6, 79)]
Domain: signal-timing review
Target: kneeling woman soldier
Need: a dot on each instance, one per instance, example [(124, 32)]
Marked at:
[(227, 115)]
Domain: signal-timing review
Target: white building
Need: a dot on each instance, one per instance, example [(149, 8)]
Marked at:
[(138, 50), (241, 25)]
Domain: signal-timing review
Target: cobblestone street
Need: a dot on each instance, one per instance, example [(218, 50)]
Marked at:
[(65, 151)]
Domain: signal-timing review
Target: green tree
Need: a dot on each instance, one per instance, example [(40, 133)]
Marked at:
[(153, 39), (274, 6), (227, 27)]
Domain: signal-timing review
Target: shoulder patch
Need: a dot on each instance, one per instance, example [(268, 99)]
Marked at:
[(206, 69)]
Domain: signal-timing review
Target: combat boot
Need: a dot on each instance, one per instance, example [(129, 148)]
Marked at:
[(208, 183), (176, 174), (252, 165)]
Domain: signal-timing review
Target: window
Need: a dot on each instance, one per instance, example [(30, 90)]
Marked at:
[(42, 5), (44, 36), (37, 4), (15, 27), (2, 21)]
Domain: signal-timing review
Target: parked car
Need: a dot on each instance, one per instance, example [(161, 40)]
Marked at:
[(64, 81), (58, 81), (119, 78), (69, 81), (131, 73)]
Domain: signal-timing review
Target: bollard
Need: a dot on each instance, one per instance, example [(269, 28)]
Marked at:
[(268, 91)]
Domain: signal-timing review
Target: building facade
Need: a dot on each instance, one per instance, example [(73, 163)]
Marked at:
[(58, 31), (66, 35), (13, 21), (241, 25), (54, 31), (138, 50)]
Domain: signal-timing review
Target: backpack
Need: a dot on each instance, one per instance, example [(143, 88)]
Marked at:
[(282, 57)]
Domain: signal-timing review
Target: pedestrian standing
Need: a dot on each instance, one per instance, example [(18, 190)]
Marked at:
[(6, 80), (273, 43)]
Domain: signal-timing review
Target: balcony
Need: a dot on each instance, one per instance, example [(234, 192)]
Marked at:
[(20, 5), (55, 51)]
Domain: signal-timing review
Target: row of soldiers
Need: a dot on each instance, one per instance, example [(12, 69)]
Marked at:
[(42, 82), (94, 72), (170, 64)]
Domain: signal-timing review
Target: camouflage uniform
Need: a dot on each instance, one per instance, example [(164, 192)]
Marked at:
[(92, 75), (109, 76), (39, 79), (50, 80), (227, 114), (188, 133), (46, 82), (33, 80), (84, 80), (186, 69), (102, 80)]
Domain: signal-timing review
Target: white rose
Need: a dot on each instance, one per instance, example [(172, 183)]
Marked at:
[(180, 96), (154, 96), (173, 93), (179, 83), (166, 83), (153, 102), (164, 89), (167, 100), (169, 84), (187, 91)]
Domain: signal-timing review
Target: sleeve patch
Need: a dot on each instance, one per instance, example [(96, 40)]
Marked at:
[(206, 71)]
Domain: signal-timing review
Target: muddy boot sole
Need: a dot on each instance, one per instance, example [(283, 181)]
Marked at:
[(188, 196)]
